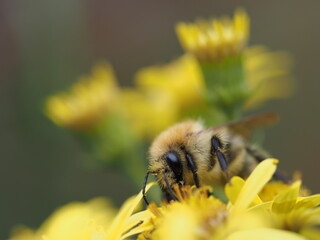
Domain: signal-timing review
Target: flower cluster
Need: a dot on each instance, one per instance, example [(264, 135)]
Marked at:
[(217, 80), (217, 54), (286, 214)]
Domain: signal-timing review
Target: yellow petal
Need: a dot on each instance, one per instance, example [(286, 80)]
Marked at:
[(140, 229), (140, 222), (255, 182), (268, 74), (285, 201), (265, 234), (308, 202), (261, 207), (232, 190), (137, 219), (118, 225)]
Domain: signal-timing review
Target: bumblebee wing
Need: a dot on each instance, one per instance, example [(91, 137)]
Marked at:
[(245, 126)]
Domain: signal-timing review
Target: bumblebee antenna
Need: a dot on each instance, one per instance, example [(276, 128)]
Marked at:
[(194, 169), (144, 188), (170, 191)]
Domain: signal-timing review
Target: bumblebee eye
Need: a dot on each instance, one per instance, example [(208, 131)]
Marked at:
[(173, 160)]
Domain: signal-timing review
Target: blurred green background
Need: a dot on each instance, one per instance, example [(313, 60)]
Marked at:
[(46, 45)]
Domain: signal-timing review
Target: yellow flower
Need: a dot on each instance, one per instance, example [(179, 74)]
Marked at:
[(181, 79), (216, 39), (148, 112), (297, 214), (286, 211), (87, 102), (128, 223), (267, 74), (76, 220), (272, 189), (236, 77), (199, 216), (196, 215), (93, 220)]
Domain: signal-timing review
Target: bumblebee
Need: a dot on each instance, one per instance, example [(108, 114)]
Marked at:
[(190, 154)]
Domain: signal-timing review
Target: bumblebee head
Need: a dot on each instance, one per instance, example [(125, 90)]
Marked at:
[(169, 170), (168, 166), (169, 160)]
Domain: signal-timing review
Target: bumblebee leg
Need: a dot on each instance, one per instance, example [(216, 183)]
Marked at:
[(165, 195), (192, 165), (279, 175), (216, 148)]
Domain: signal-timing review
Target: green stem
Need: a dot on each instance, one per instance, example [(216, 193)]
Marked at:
[(226, 86)]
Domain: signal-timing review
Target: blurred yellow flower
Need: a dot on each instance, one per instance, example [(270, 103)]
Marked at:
[(92, 220), (76, 220), (148, 112), (182, 79), (272, 189), (297, 214), (215, 39), (268, 75), (235, 77), (87, 102)]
